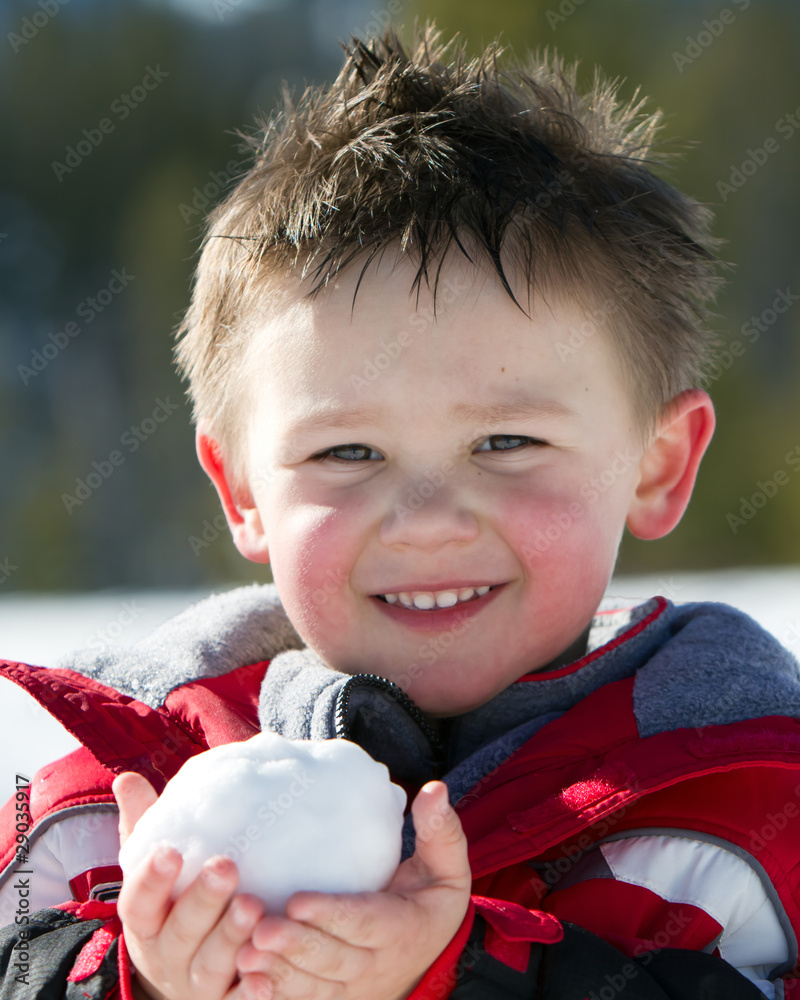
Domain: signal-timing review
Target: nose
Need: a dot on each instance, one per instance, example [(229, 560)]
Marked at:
[(428, 514)]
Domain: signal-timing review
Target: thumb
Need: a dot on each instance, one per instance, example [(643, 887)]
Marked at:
[(440, 842), (134, 795)]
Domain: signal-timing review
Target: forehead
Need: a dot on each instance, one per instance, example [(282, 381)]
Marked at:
[(367, 336)]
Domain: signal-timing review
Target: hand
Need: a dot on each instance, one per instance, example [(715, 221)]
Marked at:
[(370, 946), (184, 950)]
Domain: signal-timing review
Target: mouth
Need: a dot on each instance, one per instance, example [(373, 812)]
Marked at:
[(432, 600)]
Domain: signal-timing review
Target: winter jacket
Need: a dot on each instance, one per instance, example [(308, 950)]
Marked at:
[(632, 816)]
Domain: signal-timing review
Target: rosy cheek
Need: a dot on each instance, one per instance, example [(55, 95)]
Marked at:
[(560, 533), (313, 560)]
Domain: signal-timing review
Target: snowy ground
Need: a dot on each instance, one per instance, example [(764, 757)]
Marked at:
[(39, 629)]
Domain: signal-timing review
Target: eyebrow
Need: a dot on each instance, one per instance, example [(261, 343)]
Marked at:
[(480, 413)]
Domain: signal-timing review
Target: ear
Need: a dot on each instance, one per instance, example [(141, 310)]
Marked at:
[(668, 467), (243, 516)]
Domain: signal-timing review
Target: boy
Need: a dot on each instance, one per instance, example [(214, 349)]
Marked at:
[(444, 344)]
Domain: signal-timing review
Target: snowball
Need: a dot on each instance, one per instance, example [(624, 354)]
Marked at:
[(292, 814)]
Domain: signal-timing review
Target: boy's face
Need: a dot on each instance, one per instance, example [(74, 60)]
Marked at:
[(391, 452)]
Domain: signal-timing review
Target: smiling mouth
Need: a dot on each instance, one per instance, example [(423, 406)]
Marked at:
[(429, 600)]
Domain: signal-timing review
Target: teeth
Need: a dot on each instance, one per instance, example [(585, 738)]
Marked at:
[(423, 600), (446, 599)]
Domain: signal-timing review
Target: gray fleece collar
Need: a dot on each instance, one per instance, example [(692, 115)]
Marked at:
[(208, 639)]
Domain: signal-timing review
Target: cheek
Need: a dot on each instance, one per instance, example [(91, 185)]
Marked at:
[(573, 533), (311, 558)]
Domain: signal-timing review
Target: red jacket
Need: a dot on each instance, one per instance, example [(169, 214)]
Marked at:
[(534, 823)]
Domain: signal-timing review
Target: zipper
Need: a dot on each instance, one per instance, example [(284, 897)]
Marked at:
[(397, 693)]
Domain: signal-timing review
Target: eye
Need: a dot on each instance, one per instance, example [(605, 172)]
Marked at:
[(348, 453), (509, 442)]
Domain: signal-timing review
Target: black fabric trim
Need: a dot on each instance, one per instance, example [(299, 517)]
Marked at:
[(479, 976), (695, 975), (37, 957), (585, 967)]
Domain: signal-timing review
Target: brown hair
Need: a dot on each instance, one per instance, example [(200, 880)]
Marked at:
[(423, 149)]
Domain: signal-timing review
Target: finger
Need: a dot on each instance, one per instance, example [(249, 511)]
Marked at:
[(134, 795), (251, 987), (144, 900), (198, 908), (441, 846), (214, 963), (283, 981), (346, 917), (305, 947)]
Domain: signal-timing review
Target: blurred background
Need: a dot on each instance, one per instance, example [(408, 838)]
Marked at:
[(117, 121)]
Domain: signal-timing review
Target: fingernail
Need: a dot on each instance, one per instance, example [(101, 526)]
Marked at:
[(213, 876), (165, 860), (258, 990), (240, 915)]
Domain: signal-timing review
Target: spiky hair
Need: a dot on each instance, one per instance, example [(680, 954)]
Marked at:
[(424, 150)]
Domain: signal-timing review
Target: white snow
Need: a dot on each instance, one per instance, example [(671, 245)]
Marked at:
[(292, 814)]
